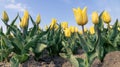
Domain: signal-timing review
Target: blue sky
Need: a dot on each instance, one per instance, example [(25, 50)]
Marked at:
[(59, 9)]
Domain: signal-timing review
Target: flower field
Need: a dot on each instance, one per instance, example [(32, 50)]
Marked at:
[(21, 42)]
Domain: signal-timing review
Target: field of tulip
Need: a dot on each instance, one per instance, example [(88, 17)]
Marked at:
[(21, 42)]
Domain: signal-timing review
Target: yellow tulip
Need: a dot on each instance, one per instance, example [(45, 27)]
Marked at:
[(38, 19), (72, 29), (24, 22), (53, 23), (95, 18), (26, 14), (76, 29), (106, 17), (81, 16), (92, 31), (81, 32), (85, 29), (5, 16), (67, 32), (56, 26), (64, 25)]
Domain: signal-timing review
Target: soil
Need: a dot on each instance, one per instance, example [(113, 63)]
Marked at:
[(111, 59)]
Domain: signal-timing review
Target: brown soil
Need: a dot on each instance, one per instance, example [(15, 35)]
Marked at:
[(112, 59)]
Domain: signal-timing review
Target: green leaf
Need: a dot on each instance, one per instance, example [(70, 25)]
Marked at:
[(14, 62), (40, 47), (33, 22)]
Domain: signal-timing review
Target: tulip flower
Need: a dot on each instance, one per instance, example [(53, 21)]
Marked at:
[(106, 17), (25, 19), (53, 23), (81, 16), (76, 29), (5, 16), (92, 31), (67, 32), (38, 19), (24, 22), (26, 14), (64, 25), (56, 26), (80, 32), (72, 29), (95, 18)]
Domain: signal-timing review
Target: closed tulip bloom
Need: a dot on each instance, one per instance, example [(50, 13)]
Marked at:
[(24, 22), (92, 31), (106, 17), (26, 14), (38, 19), (53, 23), (95, 18), (5, 16), (85, 29), (64, 25), (80, 32), (67, 32), (56, 26), (76, 29), (72, 29), (81, 16)]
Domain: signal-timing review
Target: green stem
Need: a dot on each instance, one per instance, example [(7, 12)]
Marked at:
[(83, 29), (108, 26)]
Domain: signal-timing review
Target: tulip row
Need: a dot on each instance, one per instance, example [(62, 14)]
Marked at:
[(17, 44)]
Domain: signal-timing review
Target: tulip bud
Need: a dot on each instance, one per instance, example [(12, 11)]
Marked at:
[(67, 32), (53, 23), (56, 26), (5, 16), (26, 14), (95, 18), (72, 29), (92, 31), (64, 25), (76, 29), (106, 17), (81, 16), (80, 32), (24, 22), (38, 19), (85, 29)]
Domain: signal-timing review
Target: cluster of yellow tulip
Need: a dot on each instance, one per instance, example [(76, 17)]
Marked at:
[(69, 30), (82, 18)]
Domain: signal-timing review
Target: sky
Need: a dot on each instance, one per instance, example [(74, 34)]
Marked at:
[(59, 9)]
